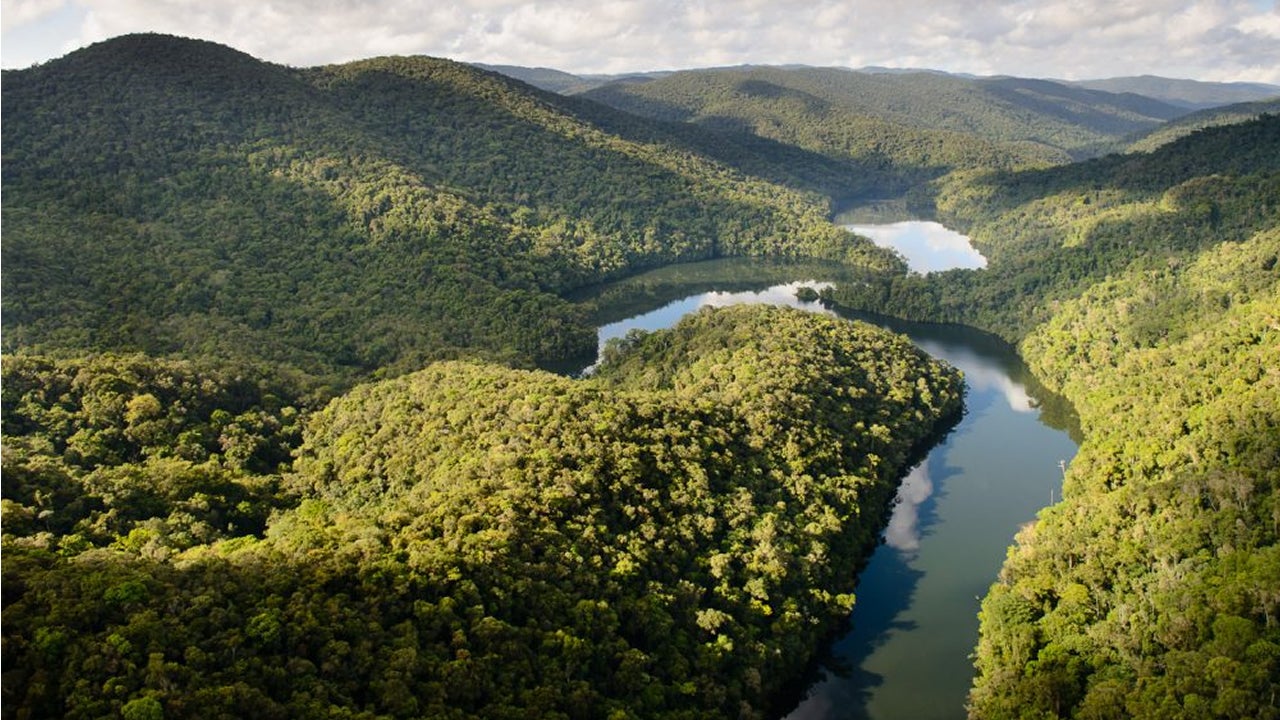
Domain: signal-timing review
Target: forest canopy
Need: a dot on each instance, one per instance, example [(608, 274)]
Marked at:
[(177, 197), (1144, 288), (273, 446), (467, 540)]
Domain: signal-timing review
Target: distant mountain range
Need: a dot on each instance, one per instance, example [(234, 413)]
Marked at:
[(845, 113), (914, 118), (558, 81), (1187, 93), (1195, 94)]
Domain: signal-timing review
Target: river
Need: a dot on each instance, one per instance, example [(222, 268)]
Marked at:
[(905, 653)]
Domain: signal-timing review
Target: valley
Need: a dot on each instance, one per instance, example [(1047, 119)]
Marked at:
[(282, 436)]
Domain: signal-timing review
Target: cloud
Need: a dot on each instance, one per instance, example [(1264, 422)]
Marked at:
[(1072, 39), (18, 13)]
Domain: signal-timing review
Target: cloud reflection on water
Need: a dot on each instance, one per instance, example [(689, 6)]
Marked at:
[(776, 295), (982, 375), (903, 531), (926, 245)]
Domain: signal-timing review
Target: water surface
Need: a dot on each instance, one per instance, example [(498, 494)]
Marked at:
[(906, 651), (926, 245)]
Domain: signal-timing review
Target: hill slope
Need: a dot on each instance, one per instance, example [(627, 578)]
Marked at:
[(1186, 93), (957, 121), (466, 541), (176, 196), (1146, 289), (1187, 124)]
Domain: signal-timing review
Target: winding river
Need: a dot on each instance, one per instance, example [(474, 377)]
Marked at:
[(905, 652)]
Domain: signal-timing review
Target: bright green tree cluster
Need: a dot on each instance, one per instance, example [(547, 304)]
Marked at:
[(467, 540), (1153, 590)]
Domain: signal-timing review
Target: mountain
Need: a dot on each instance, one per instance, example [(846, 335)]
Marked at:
[(1212, 117), (548, 79), (906, 119), (1193, 94), (177, 196), (558, 81)]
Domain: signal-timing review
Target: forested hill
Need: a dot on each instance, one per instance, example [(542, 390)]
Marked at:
[(465, 541), (1050, 234), (176, 196), (1187, 124), (913, 121)]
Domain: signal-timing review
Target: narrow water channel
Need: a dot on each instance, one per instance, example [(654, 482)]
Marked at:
[(906, 651)]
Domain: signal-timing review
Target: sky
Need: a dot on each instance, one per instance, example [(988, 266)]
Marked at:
[(1219, 40)]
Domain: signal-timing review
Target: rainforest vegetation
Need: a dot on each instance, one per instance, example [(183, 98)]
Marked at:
[(670, 538), (917, 123), (1050, 234), (349, 219), (1144, 288), (273, 443)]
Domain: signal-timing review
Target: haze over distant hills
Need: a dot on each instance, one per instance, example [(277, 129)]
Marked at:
[(832, 110), (1189, 93), (841, 113), (1182, 92)]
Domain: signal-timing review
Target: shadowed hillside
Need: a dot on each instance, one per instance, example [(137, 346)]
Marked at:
[(171, 195)]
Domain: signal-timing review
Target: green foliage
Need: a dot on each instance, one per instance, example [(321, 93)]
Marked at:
[(1183, 126), (1051, 234), (477, 541), (150, 455), (177, 197), (1152, 589), (1145, 289), (899, 129)]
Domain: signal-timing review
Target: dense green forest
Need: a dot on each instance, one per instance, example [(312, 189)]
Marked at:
[(273, 445), (348, 219), (1144, 288), (1153, 589), (906, 127), (1187, 124), (670, 538)]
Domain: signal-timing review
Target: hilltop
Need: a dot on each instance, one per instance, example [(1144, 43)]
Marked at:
[(177, 196)]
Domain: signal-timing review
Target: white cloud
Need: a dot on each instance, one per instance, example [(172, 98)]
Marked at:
[(1205, 39), (17, 13)]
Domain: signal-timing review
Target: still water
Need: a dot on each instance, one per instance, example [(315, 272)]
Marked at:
[(906, 650), (906, 654), (926, 245)]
